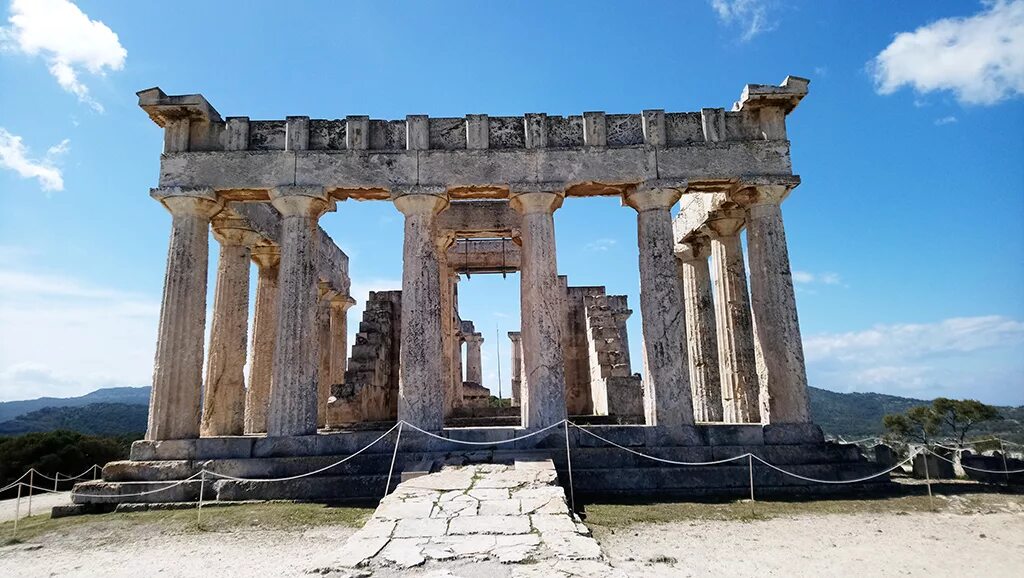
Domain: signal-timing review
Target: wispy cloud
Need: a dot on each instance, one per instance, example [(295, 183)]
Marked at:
[(945, 120), (752, 16), (960, 356), (62, 336), (603, 244), (67, 39), (14, 155), (979, 58), (807, 278)]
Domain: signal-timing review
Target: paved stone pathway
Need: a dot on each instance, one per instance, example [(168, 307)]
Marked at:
[(516, 515)]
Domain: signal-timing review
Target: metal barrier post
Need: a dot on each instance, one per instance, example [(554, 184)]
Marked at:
[(750, 465), (1002, 452), (394, 456), (568, 461), (928, 478), (31, 482), (17, 511), (202, 488), (56, 480), (95, 472)]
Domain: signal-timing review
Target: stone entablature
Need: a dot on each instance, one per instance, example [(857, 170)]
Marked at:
[(473, 157)]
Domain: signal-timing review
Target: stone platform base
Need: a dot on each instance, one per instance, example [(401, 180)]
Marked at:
[(598, 469)]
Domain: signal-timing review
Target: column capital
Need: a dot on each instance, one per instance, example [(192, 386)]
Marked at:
[(231, 230), (444, 239), (693, 249), (420, 200), (653, 195), (763, 191), (182, 201), (326, 292), (724, 223), (266, 255), (515, 336), (474, 338), (529, 198), (301, 201), (342, 302)]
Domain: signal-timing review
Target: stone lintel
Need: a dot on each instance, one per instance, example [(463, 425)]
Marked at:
[(484, 256), (785, 96), (164, 109), (479, 218)]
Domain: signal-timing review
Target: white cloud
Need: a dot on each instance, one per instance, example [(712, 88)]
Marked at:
[(979, 58), (69, 41), (806, 278), (600, 244), (62, 337), (750, 15), (15, 156), (959, 357), (945, 120)]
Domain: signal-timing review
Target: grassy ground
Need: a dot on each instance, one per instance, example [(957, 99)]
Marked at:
[(622, 515), (240, 518)]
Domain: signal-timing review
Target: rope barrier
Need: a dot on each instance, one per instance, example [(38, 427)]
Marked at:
[(655, 458), (856, 481), (1020, 471), (499, 442)]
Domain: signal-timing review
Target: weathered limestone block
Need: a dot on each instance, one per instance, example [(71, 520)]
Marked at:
[(578, 363), (781, 354), (422, 349), (175, 402), (264, 331), (613, 387), (732, 315), (224, 392), (293, 394), (701, 342), (542, 313), (667, 392)]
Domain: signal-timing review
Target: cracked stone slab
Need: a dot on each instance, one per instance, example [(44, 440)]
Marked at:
[(490, 525)]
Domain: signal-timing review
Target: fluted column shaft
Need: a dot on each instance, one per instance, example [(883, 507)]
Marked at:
[(517, 367), (542, 310), (474, 367), (450, 393), (324, 361), (339, 337), (422, 383), (175, 402), (293, 394), (781, 359), (701, 343), (264, 330), (732, 317), (667, 397), (224, 393)]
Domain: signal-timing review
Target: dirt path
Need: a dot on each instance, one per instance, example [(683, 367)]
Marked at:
[(40, 504)]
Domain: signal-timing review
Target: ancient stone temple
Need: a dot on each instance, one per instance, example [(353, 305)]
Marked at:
[(722, 369)]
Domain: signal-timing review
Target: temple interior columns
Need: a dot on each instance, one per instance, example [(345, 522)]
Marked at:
[(701, 341), (264, 330), (294, 389), (224, 391), (732, 316), (175, 402), (667, 395), (780, 350), (422, 374), (541, 307), (323, 331), (517, 366), (474, 366)]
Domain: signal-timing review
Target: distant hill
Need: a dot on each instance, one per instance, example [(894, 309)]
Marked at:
[(126, 395), (104, 419), (123, 410)]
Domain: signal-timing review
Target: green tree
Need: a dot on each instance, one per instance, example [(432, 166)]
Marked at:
[(959, 416), (918, 424)]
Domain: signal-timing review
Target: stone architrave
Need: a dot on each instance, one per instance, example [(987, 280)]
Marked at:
[(294, 392), (474, 367), (732, 315), (264, 330), (420, 398), (517, 366), (776, 326), (541, 304), (224, 391), (667, 395), (175, 401), (701, 342)]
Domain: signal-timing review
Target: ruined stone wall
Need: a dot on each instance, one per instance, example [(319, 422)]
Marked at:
[(578, 399), (613, 388)]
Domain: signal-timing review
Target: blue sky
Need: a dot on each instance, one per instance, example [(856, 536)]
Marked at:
[(905, 236)]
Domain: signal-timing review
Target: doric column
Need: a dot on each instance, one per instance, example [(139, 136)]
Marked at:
[(323, 337), (701, 344), (667, 392), (456, 343), (517, 366), (452, 395), (422, 384), (175, 402), (224, 392), (474, 369), (264, 331), (732, 316), (293, 394), (541, 307), (340, 305), (781, 359)]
